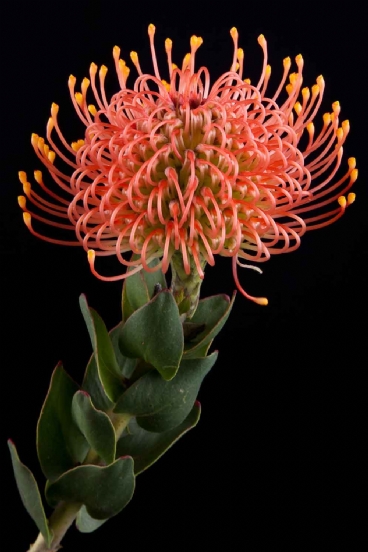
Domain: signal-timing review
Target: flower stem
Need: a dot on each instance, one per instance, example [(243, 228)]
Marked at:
[(120, 422), (59, 522), (186, 287)]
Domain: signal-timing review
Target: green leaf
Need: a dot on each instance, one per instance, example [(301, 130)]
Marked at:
[(30, 494), (92, 384), (161, 405), (108, 368), (153, 278), (85, 523), (155, 334), (95, 425), (126, 365), (126, 307), (146, 447), (104, 491), (60, 444), (136, 290), (139, 288), (211, 312)]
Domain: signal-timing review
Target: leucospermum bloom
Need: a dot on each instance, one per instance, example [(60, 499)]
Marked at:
[(183, 166)]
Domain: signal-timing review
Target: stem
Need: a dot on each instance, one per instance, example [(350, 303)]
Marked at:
[(119, 421), (185, 287), (59, 522)]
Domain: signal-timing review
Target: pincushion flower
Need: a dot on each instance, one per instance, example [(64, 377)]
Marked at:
[(183, 167)]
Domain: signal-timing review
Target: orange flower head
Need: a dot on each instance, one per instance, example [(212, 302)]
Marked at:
[(183, 167)]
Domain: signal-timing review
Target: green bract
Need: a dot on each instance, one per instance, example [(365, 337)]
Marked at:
[(60, 444), (108, 368), (146, 447), (155, 334), (30, 494), (104, 491), (95, 425), (160, 405)]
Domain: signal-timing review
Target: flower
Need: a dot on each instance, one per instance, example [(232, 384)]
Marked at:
[(182, 167)]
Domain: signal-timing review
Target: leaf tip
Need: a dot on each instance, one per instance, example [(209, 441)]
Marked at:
[(126, 457), (83, 300), (169, 372)]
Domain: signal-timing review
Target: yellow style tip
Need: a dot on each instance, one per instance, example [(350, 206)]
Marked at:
[(38, 176), (22, 202), (263, 301), (351, 198), (186, 60), (342, 201), (352, 162), (289, 88), (92, 109), (345, 126), (27, 219), (234, 32), (261, 40), (354, 175), (151, 29), (134, 57), (293, 77), (91, 256), (168, 44), (77, 145), (125, 70), (22, 177), (339, 133), (79, 98), (193, 41), (50, 124), (54, 109), (298, 108), (27, 188)]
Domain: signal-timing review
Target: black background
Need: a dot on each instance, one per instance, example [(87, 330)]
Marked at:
[(275, 462)]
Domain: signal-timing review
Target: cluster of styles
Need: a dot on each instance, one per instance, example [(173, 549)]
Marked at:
[(185, 167)]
